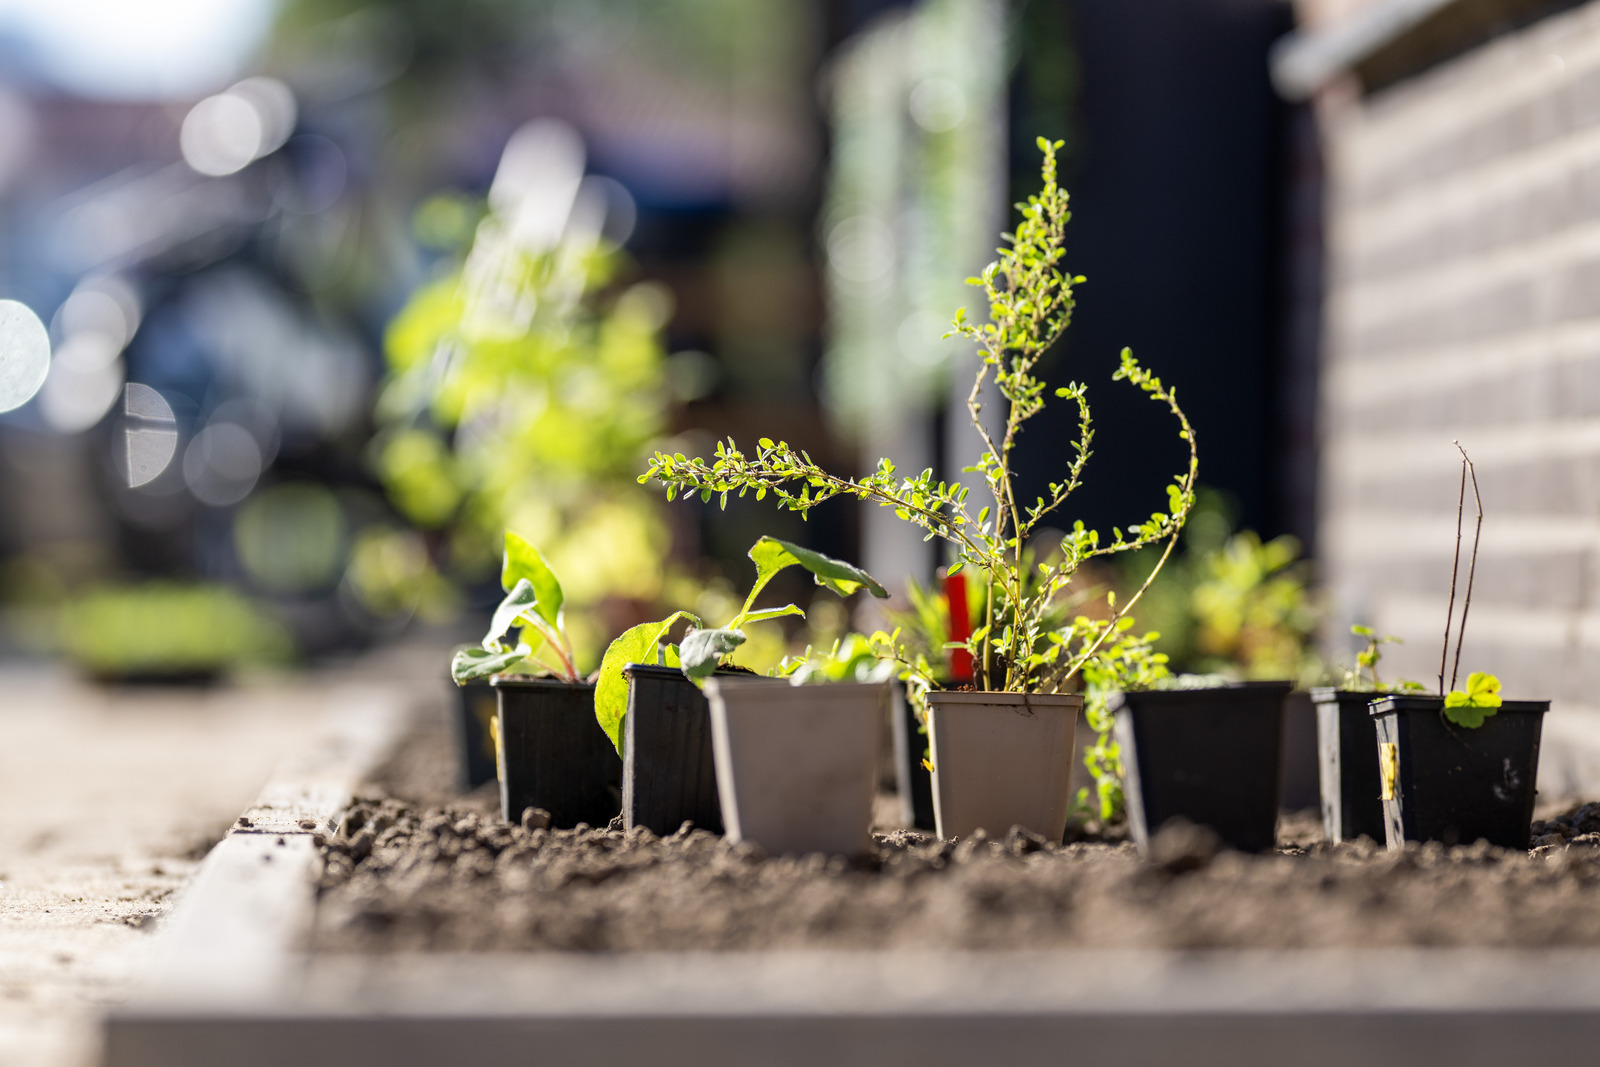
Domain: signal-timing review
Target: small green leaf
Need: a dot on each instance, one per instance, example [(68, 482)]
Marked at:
[(635, 645), (1480, 700), (701, 650), (523, 563), (518, 603), (470, 664), (772, 555), (773, 613)]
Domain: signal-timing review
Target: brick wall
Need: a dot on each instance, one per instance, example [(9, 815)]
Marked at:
[(1463, 301)]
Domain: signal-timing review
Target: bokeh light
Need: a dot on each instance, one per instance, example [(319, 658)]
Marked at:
[(225, 133), (149, 435), (24, 354), (221, 464)]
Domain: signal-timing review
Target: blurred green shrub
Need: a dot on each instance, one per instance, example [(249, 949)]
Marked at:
[(167, 630), (524, 389), (1233, 604)]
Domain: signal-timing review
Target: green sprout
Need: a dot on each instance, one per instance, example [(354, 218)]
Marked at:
[(702, 651)]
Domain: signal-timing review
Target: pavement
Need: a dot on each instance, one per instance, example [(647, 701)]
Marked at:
[(109, 799)]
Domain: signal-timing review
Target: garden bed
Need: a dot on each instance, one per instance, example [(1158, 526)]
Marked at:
[(411, 871)]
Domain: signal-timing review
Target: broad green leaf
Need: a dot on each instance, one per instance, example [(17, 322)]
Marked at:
[(773, 613), (470, 664), (1480, 700), (702, 649), (772, 555), (635, 645), (523, 563), (518, 604)]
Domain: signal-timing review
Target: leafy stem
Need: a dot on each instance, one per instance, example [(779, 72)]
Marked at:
[(1030, 302)]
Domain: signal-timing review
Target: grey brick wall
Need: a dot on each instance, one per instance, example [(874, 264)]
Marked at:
[(1463, 228)]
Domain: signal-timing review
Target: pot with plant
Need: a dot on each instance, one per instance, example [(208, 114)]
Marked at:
[(1347, 754), (1461, 765), (649, 702), (1002, 751), (797, 764), (550, 752)]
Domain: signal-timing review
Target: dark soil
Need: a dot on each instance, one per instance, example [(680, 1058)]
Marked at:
[(408, 872)]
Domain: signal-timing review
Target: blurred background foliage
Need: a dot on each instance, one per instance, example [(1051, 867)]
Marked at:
[(322, 328), (1231, 603)]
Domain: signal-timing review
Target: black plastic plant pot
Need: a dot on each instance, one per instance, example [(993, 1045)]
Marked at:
[(1444, 782), (1347, 757), (913, 780), (476, 704), (669, 775), (553, 754), (1209, 756)]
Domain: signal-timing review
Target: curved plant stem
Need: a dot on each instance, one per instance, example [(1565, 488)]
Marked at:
[(1472, 567)]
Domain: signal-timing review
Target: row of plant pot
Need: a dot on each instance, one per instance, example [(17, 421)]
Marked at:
[(793, 767), (1396, 769)]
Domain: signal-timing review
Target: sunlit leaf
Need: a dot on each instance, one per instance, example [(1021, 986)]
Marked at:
[(701, 650), (772, 555), (764, 614), (523, 563), (470, 664), (635, 645), (518, 604)]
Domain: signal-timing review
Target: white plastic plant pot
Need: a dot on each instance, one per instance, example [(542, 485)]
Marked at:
[(1002, 760), (797, 765)]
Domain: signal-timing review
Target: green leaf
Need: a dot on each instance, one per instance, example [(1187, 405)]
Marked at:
[(519, 603), (635, 645), (701, 650), (470, 664), (773, 613), (523, 563), (1480, 700), (772, 555)]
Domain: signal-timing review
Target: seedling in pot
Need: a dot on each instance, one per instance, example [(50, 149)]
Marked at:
[(532, 606), (1016, 649), (1462, 764), (1367, 659), (703, 651), (1481, 699)]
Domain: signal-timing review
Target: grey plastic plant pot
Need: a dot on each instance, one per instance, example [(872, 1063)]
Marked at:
[(1448, 783), (797, 765), (1347, 757), (669, 774), (1002, 760), (553, 755), (1211, 756), (476, 705)]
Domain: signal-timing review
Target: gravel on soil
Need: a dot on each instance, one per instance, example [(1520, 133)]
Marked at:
[(411, 871)]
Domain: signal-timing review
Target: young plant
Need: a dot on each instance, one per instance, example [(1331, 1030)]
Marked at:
[(1127, 661), (702, 651), (532, 605), (1481, 698), (1030, 303), (853, 658), (1367, 659)]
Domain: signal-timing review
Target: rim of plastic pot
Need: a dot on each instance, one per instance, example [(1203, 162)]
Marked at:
[(1424, 702)]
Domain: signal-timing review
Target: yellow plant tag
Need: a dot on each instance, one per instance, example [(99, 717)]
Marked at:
[(494, 735), (1388, 767)]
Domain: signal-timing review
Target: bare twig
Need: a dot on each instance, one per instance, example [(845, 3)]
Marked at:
[(1472, 567), (1455, 568)]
